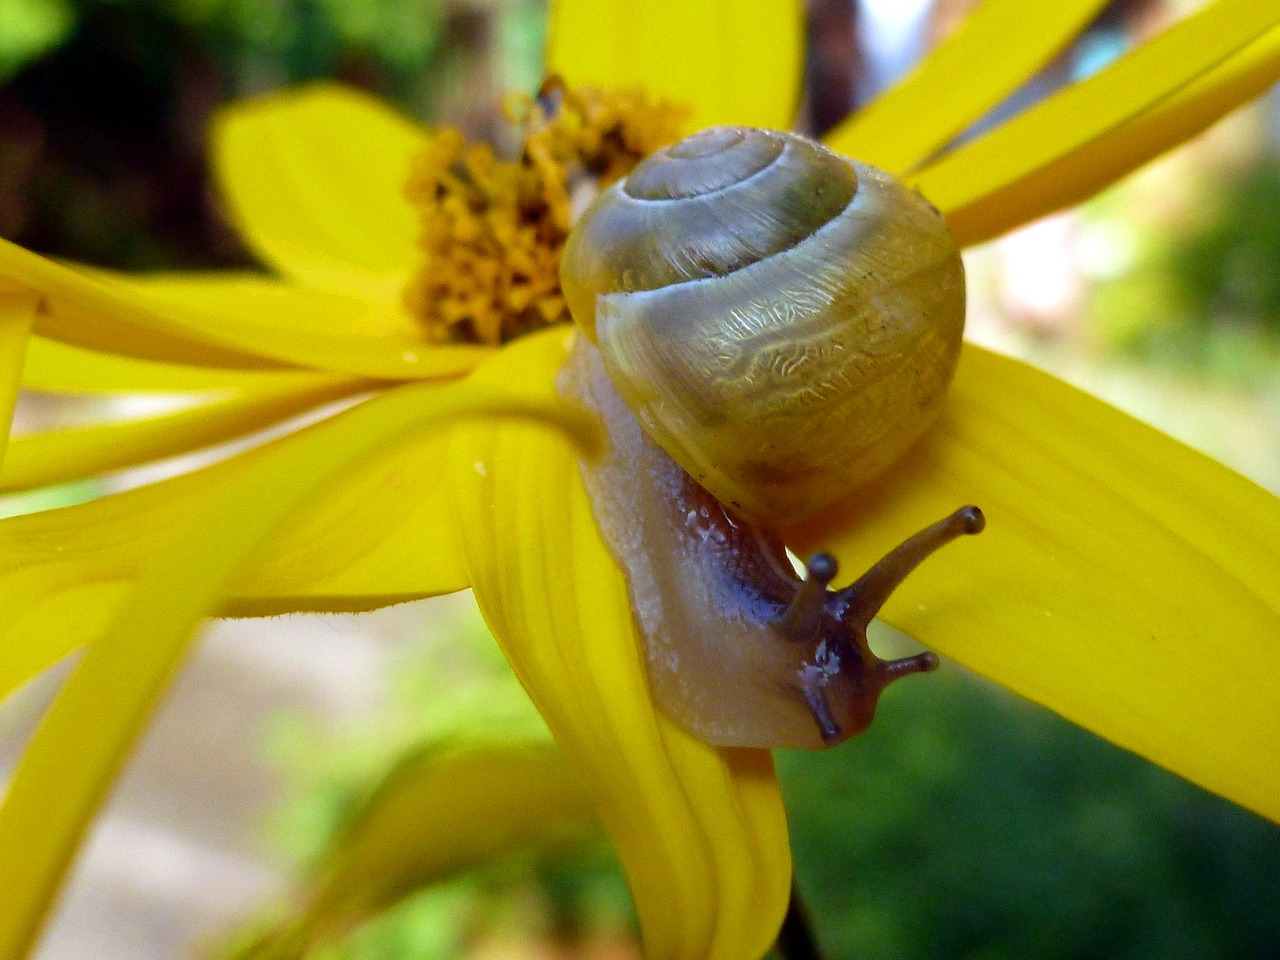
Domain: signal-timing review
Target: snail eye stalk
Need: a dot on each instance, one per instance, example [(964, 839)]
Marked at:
[(800, 620), (869, 592)]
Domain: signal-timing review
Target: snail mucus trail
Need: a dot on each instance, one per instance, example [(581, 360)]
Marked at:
[(767, 325)]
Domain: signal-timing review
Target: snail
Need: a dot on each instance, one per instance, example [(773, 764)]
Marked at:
[(765, 326)]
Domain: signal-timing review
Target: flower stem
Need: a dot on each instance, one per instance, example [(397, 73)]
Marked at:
[(796, 940)]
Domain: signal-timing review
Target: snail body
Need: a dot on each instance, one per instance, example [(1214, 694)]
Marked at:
[(783, 321), (767, 325), (715, 598)]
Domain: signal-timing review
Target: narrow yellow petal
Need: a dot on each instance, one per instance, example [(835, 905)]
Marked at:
[(104, 704), (1123, 580), (60, 456), (62, 368), (1007, 177), (324, 330), (377, 537), (732, 61), (95, 313), (229, 321), (314, 179), (1240, 79), (1091, 166), (700, 830), (960, 81), (17, 314)]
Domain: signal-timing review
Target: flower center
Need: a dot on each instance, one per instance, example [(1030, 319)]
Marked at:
[(493, 230)]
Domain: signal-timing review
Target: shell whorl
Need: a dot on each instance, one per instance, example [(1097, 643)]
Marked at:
[(782, 320)]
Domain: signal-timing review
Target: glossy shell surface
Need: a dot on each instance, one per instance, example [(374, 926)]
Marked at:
[(783, 321)]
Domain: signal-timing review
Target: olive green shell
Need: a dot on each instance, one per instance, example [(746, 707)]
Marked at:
[(783, 321)]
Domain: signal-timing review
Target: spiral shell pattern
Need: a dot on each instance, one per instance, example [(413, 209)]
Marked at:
[(782, 320)]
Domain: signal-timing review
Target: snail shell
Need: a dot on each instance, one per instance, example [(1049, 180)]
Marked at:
[(776, 324), (783, 321)]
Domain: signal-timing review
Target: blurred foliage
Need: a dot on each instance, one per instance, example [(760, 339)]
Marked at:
[(1226, 267), (969, 824), (293, 40), (454, 684), (1200, 294), (104, 104), (28, 28), (439, 687)]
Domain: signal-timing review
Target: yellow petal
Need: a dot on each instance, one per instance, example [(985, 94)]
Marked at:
[(324, 330), (231, 321), (59, 456), (17, 313), (960, 80), (447, 808), (314, 179), (1009, 176), (376, 537), (93, 312), (60, 367), (104, 704), (700, 830), (1090, 167), (732, 61), (1123, 580)]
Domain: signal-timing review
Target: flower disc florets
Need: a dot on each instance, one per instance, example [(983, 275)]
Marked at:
[(493, 230)]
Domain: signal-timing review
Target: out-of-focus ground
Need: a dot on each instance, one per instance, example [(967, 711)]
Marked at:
[(181, 852)]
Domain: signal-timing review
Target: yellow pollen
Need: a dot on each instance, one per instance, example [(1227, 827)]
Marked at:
[(493, 230)]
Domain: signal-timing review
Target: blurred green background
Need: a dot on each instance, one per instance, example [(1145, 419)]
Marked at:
[(966, 823)]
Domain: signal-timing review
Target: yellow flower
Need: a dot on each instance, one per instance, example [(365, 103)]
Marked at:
[(1124, 581)]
